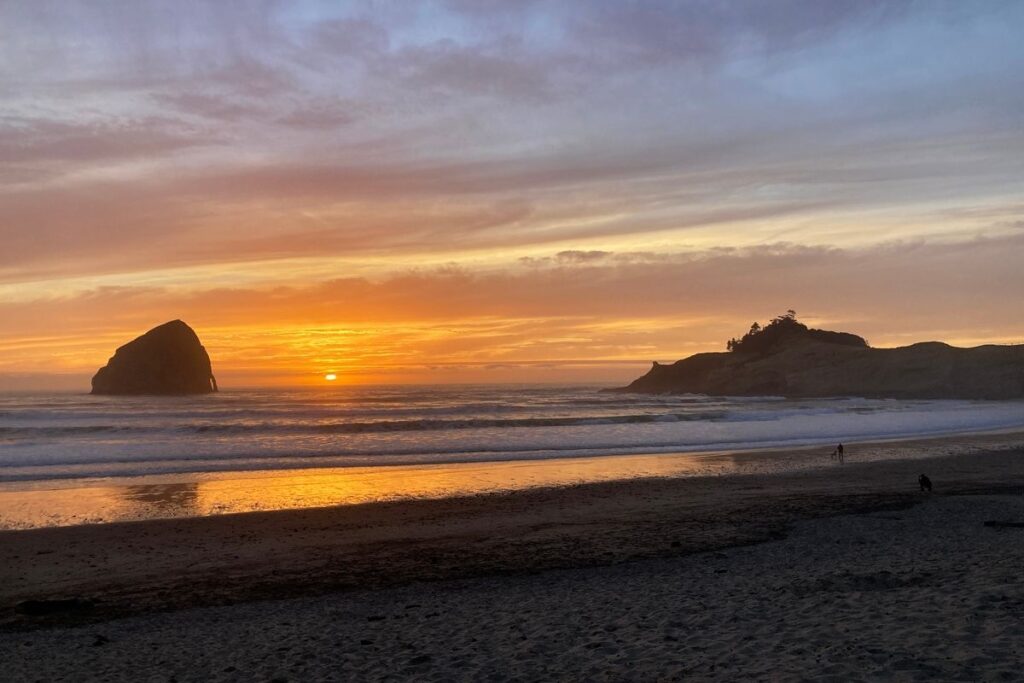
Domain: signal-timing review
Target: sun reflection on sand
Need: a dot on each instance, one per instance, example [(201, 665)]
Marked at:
[(111, 500), (33, 504)]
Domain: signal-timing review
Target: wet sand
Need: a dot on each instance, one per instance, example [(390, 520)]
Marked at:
[(131, 568), (32, 504)]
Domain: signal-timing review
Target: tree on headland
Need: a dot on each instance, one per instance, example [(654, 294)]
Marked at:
[(786, 327), (759, 338)]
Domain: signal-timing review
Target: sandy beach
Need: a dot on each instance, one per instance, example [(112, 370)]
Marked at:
[(641, 579), (922, 594)]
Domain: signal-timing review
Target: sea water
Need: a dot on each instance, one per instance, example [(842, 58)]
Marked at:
[(60, 436)]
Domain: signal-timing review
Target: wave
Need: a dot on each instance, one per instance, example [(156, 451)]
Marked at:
[(69, 437), (150, 464), (310, 412), (382, 426)]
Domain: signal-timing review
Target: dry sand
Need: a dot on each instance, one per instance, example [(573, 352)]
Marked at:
[(905, 592), (925, 594)]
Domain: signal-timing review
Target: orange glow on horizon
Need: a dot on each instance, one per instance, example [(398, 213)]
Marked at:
[(525, 323), (246, 353)]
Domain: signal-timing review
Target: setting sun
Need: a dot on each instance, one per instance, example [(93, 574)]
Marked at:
[(330, 377)]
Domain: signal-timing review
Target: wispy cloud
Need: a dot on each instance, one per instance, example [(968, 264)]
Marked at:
[(541, 146), (600, 307)]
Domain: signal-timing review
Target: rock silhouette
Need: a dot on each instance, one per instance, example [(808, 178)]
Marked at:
[(788, 359), (167, 360)]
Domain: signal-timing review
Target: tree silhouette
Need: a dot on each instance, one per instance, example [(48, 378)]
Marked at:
[(786, 328)]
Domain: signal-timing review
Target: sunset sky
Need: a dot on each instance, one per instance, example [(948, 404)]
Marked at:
[(501, 191)]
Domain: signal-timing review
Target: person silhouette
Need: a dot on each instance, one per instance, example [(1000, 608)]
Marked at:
[(925, 483), (839, 452)]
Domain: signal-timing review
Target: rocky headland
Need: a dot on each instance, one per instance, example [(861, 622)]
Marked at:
[(786, 358)]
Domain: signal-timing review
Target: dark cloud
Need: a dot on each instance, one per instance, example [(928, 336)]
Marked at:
[(446, 67), (358, 38), (209, 106), (705, 33), (323, 115), (577, 256), (25, 140)]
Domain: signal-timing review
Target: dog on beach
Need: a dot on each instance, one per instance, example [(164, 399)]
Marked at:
[(925, 483)]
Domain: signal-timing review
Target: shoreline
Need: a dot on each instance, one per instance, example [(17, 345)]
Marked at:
[(71, 502), (128, 568)]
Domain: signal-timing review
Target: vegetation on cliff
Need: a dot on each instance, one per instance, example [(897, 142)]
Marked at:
[(786, 358), (786, 328)]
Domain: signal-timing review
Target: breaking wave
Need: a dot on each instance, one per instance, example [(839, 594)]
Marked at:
[(57, 436)]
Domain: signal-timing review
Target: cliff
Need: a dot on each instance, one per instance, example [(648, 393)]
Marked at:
[(167, 360), (798, 362)]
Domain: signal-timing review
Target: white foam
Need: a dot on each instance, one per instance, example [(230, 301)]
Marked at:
[(80, 436)]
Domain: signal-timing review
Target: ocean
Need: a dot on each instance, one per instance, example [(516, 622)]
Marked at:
[(49, 437)]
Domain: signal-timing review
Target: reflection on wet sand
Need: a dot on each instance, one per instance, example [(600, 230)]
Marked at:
[(349, 486), (39, 504), (110, 500)]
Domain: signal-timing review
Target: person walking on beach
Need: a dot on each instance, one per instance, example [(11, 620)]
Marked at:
[(839, 452)]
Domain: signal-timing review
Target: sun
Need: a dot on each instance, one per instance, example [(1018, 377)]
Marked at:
[(330, 377)]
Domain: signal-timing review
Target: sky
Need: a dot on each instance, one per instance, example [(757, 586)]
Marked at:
[(477, 191)]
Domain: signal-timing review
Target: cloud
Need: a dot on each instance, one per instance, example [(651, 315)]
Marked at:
[(451, 69), (706, 33), (622, 306), (596, 141), (210, 106), (317, 209), (39, 141), (357, 38), (577, 256)]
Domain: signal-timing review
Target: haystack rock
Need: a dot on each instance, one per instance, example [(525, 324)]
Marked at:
[(167, 360)]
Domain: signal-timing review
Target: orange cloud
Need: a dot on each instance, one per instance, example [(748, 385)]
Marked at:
[(600, 316)]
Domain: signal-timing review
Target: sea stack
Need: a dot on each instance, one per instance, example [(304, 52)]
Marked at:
[(168, 360)]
